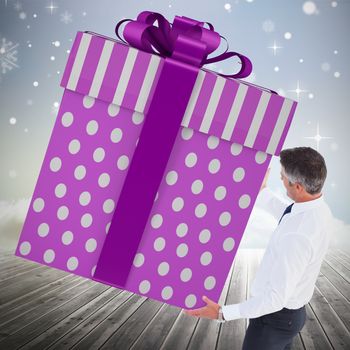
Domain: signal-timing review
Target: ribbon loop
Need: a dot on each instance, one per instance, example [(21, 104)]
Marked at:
[(185, 39)]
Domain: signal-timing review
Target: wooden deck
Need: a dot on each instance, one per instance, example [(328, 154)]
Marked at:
[(44, 308)]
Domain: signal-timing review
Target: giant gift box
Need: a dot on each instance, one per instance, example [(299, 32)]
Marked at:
[(154, 163)]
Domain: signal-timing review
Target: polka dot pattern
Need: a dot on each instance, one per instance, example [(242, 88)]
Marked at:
[(195, 225)]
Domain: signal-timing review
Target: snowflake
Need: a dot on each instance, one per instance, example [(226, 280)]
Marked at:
[(8, 55), (66, 17)]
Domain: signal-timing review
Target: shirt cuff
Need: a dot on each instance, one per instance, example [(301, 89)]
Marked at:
[(231, 312)]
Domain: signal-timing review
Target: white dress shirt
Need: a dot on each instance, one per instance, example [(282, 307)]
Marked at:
[(291, 264)]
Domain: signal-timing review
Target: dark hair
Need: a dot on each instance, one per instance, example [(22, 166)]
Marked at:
[(306, 166)]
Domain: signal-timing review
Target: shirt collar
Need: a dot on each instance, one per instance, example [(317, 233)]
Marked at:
[(303, 206)]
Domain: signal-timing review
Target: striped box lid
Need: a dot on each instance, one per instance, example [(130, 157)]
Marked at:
[(230, 109)]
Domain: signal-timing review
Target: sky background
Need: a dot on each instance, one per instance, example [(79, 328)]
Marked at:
[(298, 48)]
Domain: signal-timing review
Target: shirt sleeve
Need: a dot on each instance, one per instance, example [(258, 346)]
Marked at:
[(294, 254), (271, 202)]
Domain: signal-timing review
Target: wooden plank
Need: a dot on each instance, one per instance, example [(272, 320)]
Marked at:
[(312, 333), (338, 281), (80, 296), (27, 310), (18, 271), (17, 287), (341, 257), (332, 325), (338, 302), (232, 332), (339, 267), (76, 335), (297, 343), (104, 330), (51, 335)]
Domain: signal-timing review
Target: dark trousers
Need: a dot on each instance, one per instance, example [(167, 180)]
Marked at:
[(274, 331)]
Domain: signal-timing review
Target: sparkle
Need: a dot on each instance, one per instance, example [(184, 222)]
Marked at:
[(8, 56), (52, 7), (66, 17), (275, 47), (13, 121), (18, 6), (298, 91), (318, 138)]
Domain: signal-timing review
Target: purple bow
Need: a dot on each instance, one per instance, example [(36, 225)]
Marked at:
[(185, 40)]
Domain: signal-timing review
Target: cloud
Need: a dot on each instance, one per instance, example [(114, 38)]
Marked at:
[(12, 215)]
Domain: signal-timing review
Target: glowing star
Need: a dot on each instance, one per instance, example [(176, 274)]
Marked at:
[(52, 7), (66, 17), (318, 138), (275, 48), (298, 91)]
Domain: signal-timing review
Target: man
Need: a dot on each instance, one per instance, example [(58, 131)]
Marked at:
[(287, 274)]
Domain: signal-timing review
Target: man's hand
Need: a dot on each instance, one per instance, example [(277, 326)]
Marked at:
[(263, 185), (211, 310)]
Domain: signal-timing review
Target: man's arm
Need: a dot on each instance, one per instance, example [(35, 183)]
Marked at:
[(294, 255)]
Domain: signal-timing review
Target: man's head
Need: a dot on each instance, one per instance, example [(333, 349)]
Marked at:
[(303, 173)]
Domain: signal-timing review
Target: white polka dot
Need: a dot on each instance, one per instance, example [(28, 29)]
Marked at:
[(159, 244), (156, 221), (182, 229), (55, 164), (236, 149), (197, 186), (139, 260), (67, 237), (167, 292), (62, 212), (144, 286), (190, 300), (86, 220), (214, 166), (72, 263), (92, 127), (90, 245), (225, 218), (60, 190), (156, 196), (93, 270), (104, 180), (43, 229), (80, 172), (137, 118), (99, 154), (113, 110), (177, 204), (116, 135), (163, 268), (220, 193), (84, 198), (212, 142), (228, 244), (171, 177), (107, 227), (186, 133), (74, 146), (49, 256), (244, 201), (182, 250), (201, 210), (186, 274), (191, 160), (260, 157), (67, 119), (123, 162), (209, 283), (38, 205), (108, 206), (204, 236), (25, 248), (88, 101), (206, 258), (238, 174)]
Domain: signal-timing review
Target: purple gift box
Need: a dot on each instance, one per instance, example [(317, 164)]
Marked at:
[(153, 164)]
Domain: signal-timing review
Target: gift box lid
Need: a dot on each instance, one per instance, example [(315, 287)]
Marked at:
[(231, 109)]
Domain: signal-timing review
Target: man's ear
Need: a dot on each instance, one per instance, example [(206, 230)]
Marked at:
[(299, 188)]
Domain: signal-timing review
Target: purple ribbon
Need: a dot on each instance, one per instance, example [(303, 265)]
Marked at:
[(185, 45)]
